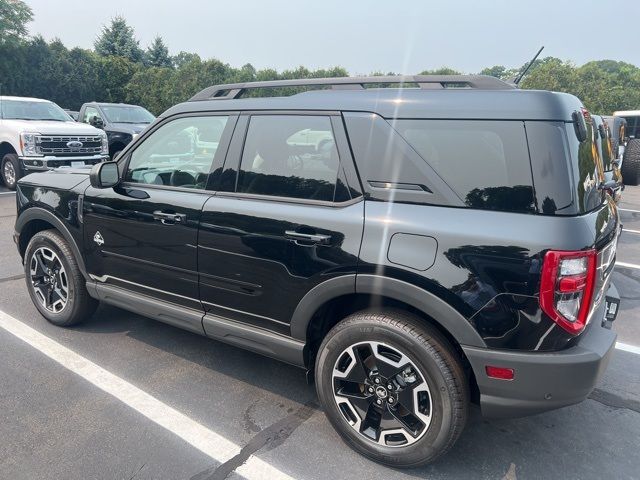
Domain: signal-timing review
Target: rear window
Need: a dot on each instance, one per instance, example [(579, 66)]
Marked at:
[(633, 127), (485, 162)]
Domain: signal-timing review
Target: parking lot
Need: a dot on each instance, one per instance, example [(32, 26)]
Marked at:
[(124, 397)]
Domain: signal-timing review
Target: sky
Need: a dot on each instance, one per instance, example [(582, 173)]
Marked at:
[(405, 36)]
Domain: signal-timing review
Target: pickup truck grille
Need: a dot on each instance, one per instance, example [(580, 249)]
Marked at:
[(60, 145)]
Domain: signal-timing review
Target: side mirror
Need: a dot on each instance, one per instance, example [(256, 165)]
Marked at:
[(580, 125), (104, 175), (96, 121)]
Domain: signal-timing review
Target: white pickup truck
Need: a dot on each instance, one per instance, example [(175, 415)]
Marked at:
[(37, 135)]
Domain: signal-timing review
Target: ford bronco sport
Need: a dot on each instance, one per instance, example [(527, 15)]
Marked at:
[(415, 248)]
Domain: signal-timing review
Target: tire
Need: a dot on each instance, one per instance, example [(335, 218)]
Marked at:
[(631, 163), (115, 155), (47, 253), (11, 171), (434, 376)]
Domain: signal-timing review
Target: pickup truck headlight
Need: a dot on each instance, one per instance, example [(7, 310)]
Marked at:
[(28, 144), (105, 145)]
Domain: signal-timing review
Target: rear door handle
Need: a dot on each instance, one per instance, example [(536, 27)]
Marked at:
[(308, 237), (169, 218)]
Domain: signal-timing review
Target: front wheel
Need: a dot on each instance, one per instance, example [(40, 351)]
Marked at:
[(54, 280), (393, 387), (10, 170)]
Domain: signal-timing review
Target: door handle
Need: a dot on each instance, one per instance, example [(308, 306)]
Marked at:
[(169, 218), (308, 237)]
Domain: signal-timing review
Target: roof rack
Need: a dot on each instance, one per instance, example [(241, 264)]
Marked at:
[(235, 90)]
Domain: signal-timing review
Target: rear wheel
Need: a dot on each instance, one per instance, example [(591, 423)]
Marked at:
[(631, 163), (393, 387), (10, 170), (54, 280)]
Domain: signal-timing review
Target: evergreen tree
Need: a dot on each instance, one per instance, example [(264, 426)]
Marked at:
[(118, 39), (157, 54)]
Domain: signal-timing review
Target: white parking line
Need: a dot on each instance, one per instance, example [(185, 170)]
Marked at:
[(207, 441), (629, 210), (627, 265), (630, 231), (7, 193), (628, 348)]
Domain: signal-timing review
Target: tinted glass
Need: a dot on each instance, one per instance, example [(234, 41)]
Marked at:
[(485, 162), (587, 171), (550, 163), (633, 127), (178, 154), (290, 156), (127, 114)]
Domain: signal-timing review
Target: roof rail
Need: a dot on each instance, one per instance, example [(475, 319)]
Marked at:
[(235, 90)]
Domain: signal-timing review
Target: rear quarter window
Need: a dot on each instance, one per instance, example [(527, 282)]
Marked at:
[(486, 163)]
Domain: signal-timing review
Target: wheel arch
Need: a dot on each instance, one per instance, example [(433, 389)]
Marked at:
[(36, 219), (331, 301), (387, 290), (5, 148)]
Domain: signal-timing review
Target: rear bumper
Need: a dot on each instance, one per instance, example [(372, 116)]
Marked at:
[(41, 164), (544, 381)]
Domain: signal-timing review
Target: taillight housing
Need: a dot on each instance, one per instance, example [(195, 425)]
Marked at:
[(566, 287)]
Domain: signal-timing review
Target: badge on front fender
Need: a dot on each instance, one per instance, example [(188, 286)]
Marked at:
[(98, 239)]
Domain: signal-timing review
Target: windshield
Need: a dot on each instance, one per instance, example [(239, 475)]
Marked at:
[(28, 110), (127, 114)]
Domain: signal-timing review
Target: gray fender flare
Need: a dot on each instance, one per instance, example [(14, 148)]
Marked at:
[(38, 213), (448, 317), (315, 298)]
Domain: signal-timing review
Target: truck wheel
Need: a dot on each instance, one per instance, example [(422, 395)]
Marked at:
[(631, 163), (11, 171), (393, 387), (55, 283)]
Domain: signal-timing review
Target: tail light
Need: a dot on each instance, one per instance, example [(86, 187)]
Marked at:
[(566, 287)]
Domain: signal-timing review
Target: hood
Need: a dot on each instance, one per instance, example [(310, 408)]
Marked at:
[(47, 127), (127, 127), (63, 178)]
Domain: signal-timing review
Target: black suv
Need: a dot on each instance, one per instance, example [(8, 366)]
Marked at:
[(414, 248), (120, 121)]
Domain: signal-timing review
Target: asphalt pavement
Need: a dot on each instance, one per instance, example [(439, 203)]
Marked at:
[(125, 397)]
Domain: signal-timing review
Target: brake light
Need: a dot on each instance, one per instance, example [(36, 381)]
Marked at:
[(566, 287)]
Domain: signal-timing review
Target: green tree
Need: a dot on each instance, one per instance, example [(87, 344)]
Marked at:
[(183, 58), (14, 16), (152, 88), (441, 71), (157, 55), (118, 39), (115, 73), (551, 74)]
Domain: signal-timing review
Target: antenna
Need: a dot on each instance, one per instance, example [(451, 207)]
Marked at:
[(519, 77)]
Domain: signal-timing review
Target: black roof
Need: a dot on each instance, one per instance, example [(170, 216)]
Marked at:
[(481, 98)]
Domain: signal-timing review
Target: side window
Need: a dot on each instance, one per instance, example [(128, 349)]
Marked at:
[(178, 154), (485, 162), (290, 156), (90, 112)]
